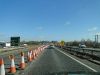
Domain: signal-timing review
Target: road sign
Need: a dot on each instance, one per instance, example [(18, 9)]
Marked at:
[(15, 41), (62, 43)]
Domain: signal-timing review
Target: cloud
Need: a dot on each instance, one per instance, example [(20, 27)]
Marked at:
[(67, 23), (93, 29), (39, 28)]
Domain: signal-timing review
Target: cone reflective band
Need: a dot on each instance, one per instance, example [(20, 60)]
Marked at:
[(2, 68), (22, 64), (12, 68)]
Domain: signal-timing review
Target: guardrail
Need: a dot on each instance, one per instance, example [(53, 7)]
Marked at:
[(89, 53)]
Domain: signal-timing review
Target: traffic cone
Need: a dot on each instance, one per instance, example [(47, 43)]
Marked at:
[(31, 52), (36, 54), (12, 68), (2, 68), (22, 64), (28, 54), (33, 55), (30, 57)]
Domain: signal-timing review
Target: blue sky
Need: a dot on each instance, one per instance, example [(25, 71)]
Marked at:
[(49, 19)]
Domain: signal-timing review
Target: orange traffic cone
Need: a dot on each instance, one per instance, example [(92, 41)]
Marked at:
[(2, 68), (28, 54), (12, 68), (22, 64), (35, 54), (32, 54), (30, 57)]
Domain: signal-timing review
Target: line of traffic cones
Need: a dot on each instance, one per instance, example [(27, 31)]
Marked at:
[(31, 56)]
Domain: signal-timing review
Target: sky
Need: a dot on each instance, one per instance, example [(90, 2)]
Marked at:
[(49, 19)]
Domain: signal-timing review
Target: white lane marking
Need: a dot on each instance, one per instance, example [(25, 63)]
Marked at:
[(77, 60)]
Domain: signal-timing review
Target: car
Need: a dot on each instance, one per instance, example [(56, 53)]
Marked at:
[(82, 46), (50, 47)]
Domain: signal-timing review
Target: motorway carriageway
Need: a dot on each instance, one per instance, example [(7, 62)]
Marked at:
[(56, 62)]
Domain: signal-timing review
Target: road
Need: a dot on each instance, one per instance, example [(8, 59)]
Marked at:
[(53, 61)]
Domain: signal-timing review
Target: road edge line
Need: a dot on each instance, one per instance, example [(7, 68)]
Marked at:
[(77, 60)]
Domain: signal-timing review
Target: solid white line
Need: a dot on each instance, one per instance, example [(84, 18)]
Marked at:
[(77, 60)]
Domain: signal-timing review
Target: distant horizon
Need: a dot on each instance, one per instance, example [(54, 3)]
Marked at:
[(21, 40)]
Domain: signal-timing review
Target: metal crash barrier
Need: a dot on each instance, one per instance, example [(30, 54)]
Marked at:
[(89, 53)]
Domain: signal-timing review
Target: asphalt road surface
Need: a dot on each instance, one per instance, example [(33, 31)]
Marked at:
[(54, 62)]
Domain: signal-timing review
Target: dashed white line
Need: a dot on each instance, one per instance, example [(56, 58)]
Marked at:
[(77, 60)]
